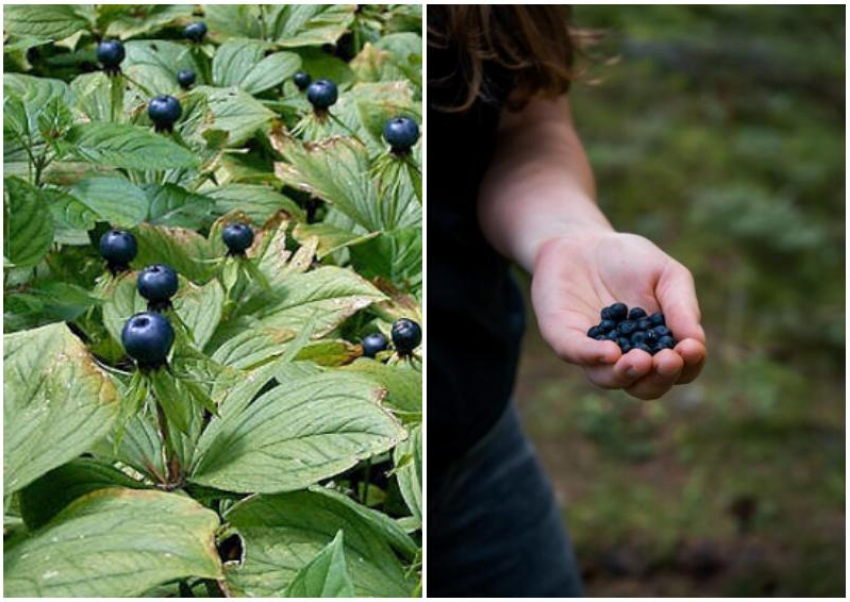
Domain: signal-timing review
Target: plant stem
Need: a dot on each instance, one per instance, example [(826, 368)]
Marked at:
[(172, 462)]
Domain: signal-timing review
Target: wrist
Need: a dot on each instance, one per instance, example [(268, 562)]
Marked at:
[(575, 236)]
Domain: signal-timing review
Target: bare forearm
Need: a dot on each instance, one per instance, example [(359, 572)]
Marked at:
[(539, 185)]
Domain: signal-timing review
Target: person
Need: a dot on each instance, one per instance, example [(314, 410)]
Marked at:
[(508, 181)]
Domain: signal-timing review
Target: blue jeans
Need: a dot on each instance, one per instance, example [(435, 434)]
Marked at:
[(494, 527)]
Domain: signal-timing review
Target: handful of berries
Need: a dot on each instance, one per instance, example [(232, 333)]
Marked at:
[(633, 329)]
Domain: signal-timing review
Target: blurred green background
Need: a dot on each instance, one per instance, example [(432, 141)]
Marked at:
[(718, 133)]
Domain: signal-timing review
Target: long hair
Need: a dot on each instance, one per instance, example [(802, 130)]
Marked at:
[(534, 43)]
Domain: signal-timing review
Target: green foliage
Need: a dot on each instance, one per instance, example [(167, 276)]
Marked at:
[(264, 426)]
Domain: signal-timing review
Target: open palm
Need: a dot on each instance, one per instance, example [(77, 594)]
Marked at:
[(575, 277)]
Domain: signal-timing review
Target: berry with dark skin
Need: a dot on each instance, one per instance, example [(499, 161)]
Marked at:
[(643, 347), (594, 331), (618, 311), (638, 337), (656, 319), (401, 133), (157, 283), (643, 324), (110, 53), (606, 325), (186, 78), (195, 32), (612, 335), (661, 331), (164, 111), (118, 248), (147, 338), (238, 237), (636, 313), (666, 342), (302, 79), (626, 327), (374, 344), (406, 335), (322, 94)]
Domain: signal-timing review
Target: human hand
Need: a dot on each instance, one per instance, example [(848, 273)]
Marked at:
[(575, 276)]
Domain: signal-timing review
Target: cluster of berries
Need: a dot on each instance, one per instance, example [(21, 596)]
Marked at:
[(633, 329), (148, 336), (406, 335)]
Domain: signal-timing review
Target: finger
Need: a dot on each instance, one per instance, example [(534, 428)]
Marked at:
[(693, 355), (628, 369), (666, 367), (577, 348), (678, 299)]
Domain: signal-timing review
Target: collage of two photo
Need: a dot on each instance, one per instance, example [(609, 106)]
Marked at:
[(414, 300)]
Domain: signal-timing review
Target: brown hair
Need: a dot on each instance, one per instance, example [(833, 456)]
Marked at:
[(532, 42)]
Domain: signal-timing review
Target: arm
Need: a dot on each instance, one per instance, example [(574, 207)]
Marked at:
[(537, 206)]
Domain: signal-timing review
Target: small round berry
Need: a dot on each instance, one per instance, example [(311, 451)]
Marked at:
[(147, 338), (594, 331), (636, 313), (238, 237), (601, 337), (643, 347), (638, 337), (164, 111), (401, 133), (661, 331), (110, 53), (302, 79), (406, 335), (666, 342), (626, 327), (322, 93), (606, 325), (612, 335), (656, 319), (195, 31), (186, 78), (157, 283), (118, 248), (623, 342), (643, 324), (374, 344), (618, 311)]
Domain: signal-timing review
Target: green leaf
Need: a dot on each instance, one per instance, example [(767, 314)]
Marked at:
[(238, 20), (257, 202), (189, 253), (35, 94), (112, 199), (331, 238), (122, 302), (326, 576), (404, 386), (200, 307), (296, 435), (311, 24), (44, 21), (114, 543), (57, 401), (129, 21), (44, 498), (395, 256), (28, 227), (172, 205), (127, 146), (236, 112), (407, 457), (173, 399), (322, 65), (243, 63), (283, 532), (270, 72)]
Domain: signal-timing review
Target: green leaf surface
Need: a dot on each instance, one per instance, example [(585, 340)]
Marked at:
[(56, 402), (408, 462), (112, 199), (189, 253), (282, 533), (257, 202), (295, 435), (311, 24), (236, 112), (126, 146), (43, 21), (114, 543), (28, 227), (326, 576)]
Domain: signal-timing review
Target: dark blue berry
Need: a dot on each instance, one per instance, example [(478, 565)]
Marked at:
[(638, 337), (651, 338), (594, 332), (618, 311), (164, 111), (373, 344), (626, 348), (302, 79), (407, 335), (118, 248), (601, 337), (605, 314), (656, 319), (666, 342), (612, 335), (147, 338), (110, 53), (636, 313), (157, 283), (661, 331), (606, 325), (238, 237), (643, 324), (322, 94), (195, 31), (623, 342), (643, 347), (626, 327), (401, 133), (186, 78)]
